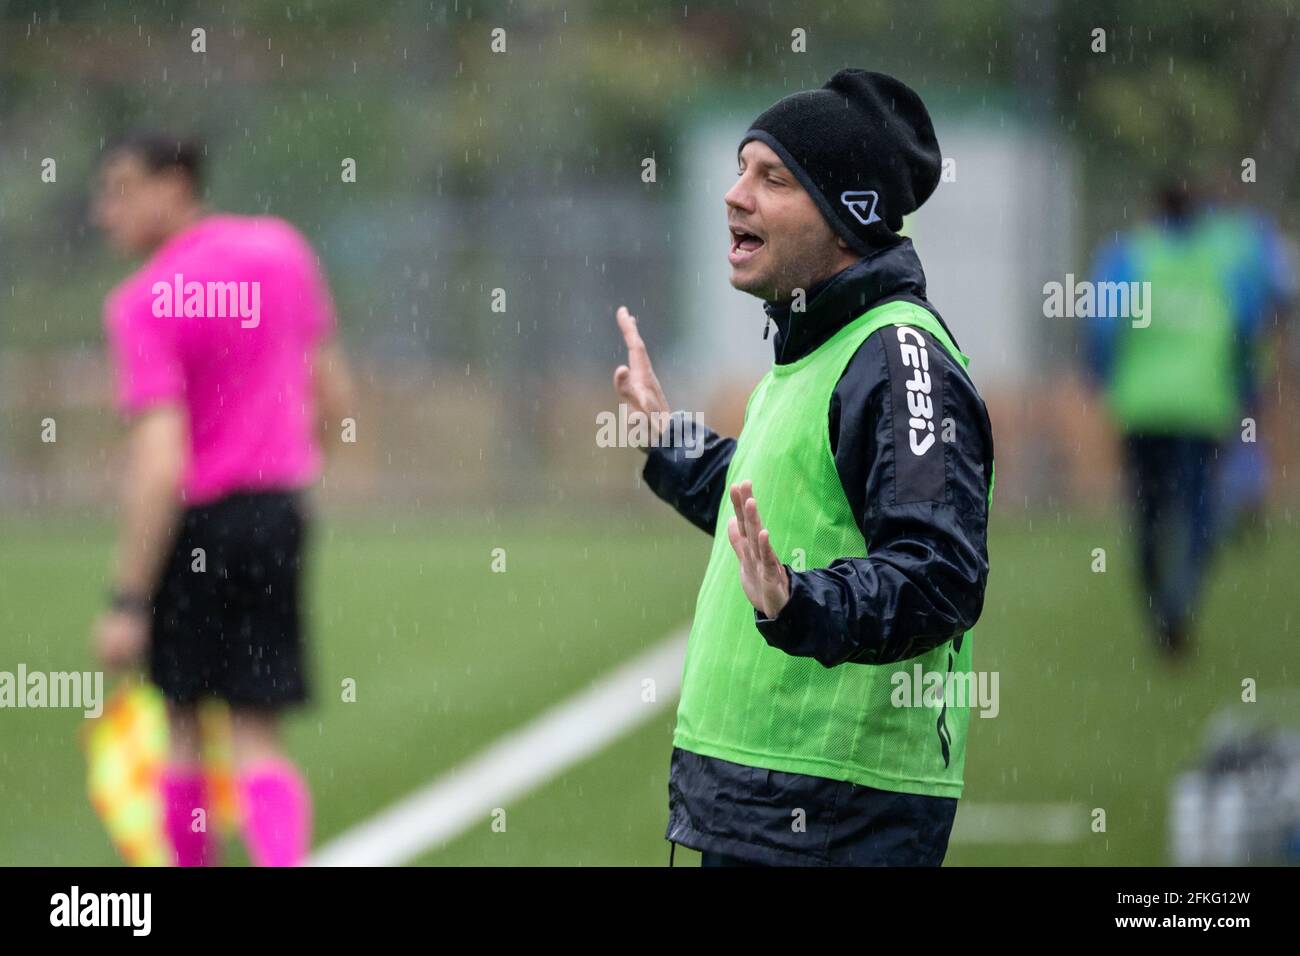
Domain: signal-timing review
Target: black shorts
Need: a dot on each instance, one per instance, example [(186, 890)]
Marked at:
[(228, 623)]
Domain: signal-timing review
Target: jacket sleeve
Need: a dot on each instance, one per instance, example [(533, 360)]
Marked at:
[(920, 498), (689, 470)]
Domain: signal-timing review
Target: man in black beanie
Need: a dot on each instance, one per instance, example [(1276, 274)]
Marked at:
[(803, 735)]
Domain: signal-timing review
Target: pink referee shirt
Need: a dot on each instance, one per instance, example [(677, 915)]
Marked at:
[(224, 320)]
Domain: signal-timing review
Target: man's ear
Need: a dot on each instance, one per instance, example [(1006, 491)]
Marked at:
[(839, 241)]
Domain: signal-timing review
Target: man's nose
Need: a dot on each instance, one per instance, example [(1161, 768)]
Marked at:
[(739, 196)]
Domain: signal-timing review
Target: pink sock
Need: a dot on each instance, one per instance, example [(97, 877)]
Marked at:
[(276, 813), (183, 792)]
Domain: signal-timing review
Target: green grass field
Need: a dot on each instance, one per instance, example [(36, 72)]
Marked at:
[(448, 655)]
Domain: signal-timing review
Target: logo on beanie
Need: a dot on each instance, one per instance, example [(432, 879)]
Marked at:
[(862, 205)]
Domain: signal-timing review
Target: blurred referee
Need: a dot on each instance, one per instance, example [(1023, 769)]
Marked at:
[(225, 361)]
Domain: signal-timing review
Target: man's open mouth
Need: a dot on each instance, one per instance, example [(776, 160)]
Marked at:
[(743, 244)]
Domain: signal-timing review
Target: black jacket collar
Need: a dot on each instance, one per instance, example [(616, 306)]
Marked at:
[(891, 273)]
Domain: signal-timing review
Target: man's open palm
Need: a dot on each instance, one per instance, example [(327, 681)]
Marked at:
[(762, 575)]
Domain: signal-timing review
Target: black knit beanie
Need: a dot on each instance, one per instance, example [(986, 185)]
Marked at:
[(864, 148)]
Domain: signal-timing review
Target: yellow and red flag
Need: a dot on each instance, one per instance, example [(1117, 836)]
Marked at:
[(126, 748)]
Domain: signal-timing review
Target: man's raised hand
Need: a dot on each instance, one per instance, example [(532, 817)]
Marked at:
[(762, 575), (636, 382)]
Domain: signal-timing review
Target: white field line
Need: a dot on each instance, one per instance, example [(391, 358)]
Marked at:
[(515, 764), (1016, 823)]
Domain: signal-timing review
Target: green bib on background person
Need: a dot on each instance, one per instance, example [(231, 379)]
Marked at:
[(745, 701), (1176, 375)]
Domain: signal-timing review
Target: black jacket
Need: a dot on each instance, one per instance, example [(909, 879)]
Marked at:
[(925, 522)]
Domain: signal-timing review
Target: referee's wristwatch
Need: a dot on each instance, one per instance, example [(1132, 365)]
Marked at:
[(128, 602)]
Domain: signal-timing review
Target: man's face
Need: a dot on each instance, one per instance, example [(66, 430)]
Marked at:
[(134, 205), (779, 239)]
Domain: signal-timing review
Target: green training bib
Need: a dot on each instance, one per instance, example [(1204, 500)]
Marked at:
[(747, 702)]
